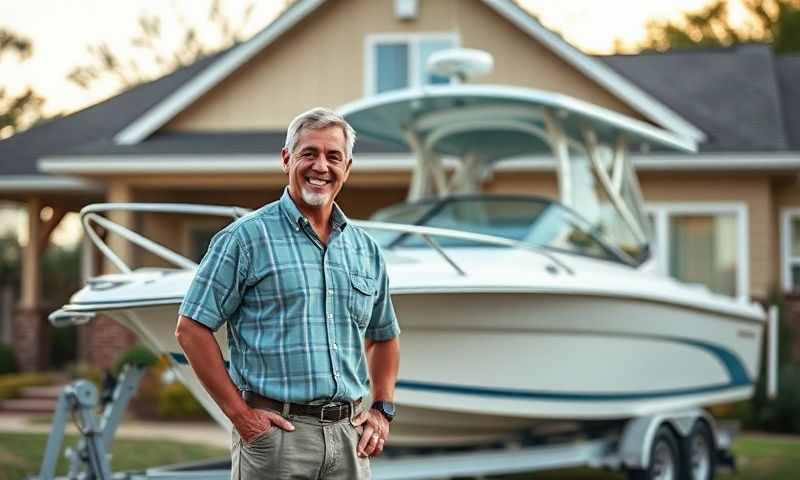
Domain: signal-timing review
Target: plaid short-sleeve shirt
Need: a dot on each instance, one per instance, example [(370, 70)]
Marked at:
[(297, 311)]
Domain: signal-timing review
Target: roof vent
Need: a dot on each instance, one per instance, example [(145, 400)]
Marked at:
[(406, 9), (460, 63)]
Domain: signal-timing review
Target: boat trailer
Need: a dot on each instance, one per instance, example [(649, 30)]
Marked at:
[(630, 445)]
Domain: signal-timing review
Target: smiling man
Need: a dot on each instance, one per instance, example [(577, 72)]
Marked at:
[(311, 327)]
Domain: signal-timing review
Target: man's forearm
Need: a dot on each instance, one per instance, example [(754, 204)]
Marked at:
[(205, 357), (384, 362)]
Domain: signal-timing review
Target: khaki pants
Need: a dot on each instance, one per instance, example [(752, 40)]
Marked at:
[(314, 450)]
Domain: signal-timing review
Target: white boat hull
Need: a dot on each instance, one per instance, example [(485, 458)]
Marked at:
[(481, 366)]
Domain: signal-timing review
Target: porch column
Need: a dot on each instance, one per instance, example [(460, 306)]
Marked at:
[(29, 320), (120, 192), (109, 339)]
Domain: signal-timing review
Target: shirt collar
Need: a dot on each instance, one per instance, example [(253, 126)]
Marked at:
[(296, 218)]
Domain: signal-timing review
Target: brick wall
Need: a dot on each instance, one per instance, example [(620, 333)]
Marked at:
[(106, 341), (30, 333)]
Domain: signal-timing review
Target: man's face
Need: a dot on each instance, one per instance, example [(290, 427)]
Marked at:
[(318, 166)]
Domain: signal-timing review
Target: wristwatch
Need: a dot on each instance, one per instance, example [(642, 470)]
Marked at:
[(386, 408)]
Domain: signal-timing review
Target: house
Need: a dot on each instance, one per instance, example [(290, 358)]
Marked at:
[(728, 217)]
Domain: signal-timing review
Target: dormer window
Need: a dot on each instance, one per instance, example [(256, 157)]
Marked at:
[(395, 61)]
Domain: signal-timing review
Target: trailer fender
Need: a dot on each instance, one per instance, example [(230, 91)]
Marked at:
[(638, 434)]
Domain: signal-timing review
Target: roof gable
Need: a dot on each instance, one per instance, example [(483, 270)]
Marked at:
[(215, 73), (788, 72)]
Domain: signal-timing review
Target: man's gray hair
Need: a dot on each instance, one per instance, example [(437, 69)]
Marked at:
[(317, 119)]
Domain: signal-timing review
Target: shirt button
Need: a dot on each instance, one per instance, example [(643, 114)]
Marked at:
[(330, 292), (334, 346)]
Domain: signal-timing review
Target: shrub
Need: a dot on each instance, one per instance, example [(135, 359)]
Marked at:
[(783, 413), (10, 385), (8, 364), (176, 402), (86, 372), (137, 355)]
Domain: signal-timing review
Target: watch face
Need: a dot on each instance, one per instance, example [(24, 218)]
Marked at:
[(387, 408)]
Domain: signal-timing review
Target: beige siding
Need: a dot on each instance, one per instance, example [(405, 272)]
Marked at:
[(321, 62), (521, 61), (528, 183)]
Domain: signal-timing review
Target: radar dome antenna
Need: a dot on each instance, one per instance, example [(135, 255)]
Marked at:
[(460, 64)]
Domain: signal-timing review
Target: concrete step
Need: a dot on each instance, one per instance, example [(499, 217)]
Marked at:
[(50, 392), (28, 405)]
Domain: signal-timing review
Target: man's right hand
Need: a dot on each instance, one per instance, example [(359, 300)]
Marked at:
[(259, 422)]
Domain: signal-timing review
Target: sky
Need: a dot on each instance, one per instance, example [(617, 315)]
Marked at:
[(61, 31)]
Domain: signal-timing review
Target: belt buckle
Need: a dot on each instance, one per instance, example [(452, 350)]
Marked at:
[(324, 407)]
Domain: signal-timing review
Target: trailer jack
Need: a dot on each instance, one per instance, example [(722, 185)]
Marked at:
[(89, 458)]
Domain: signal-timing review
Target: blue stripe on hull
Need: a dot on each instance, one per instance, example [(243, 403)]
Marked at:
[(514, 394), (736, 373)]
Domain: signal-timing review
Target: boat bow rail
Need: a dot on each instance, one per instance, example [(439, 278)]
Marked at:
[(91, 215)]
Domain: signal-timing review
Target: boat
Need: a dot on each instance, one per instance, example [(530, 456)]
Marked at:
[(520, 314)]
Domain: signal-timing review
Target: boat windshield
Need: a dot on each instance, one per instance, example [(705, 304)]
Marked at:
[(533, 220)]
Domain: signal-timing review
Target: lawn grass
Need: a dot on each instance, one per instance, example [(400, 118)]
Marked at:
[(759, 457), (21, 454)]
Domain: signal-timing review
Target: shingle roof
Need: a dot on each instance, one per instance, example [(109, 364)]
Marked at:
[(19, 153), (732, 94), (788, 69)]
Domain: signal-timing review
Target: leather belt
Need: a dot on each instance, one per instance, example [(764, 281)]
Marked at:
[(329, 412)]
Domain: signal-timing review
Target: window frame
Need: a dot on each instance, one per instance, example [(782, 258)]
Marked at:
[(662, 212), (190, 226), (371, 41), (787, 260)]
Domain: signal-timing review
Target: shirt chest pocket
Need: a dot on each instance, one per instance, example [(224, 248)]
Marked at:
[(362, 298)]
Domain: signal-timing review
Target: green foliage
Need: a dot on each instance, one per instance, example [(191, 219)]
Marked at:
[(85, 371), (10, 385), (8, 364), (768, 21), (136, 355), (157, 56), (783, 414), (62, 273), (14, 43), (21, 110), (9, 259), (177, 403), (787, 35)]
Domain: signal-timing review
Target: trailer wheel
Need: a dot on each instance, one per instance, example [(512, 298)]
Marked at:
[(665, 458), (700, 453)]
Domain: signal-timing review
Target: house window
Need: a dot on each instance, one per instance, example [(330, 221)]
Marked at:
[(397, 61), (197, 237), (790, 248), (703, 244)]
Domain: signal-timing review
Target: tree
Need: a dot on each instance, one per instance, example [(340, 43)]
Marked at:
[(157, 57), (768, 21), (22, 110)]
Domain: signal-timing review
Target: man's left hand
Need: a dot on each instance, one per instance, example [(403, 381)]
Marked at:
[(375, 432)]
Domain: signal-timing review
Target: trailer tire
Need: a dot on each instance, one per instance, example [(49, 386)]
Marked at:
[(700, 453), (664, 458)]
